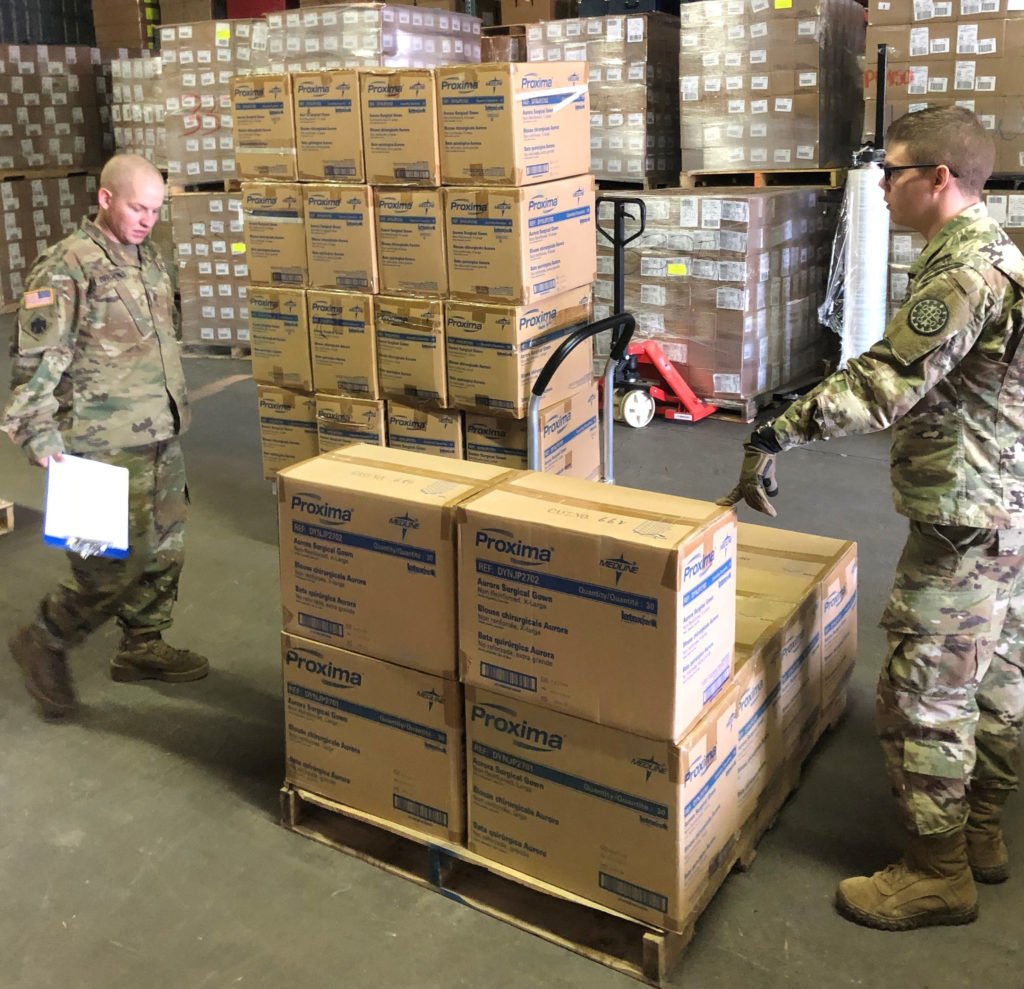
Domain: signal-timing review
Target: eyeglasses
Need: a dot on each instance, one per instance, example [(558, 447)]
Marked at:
[(889, 170)]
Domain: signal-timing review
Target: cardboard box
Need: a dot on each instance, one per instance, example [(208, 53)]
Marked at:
[(364, 528), (343, 343), (274, 235), (410, 348), (328, 126), (496, 352), (343, 421), (425, 431), (533, 11), (264, 126), (374, 736), (833, 563), (520, 245), (287, 428), (410, 241), (400, 128), (341, 249), (280, 337), (513, 124), (612, 604), (570, 437), (639, 825)]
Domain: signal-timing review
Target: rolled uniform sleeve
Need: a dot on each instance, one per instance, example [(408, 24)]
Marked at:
[(42, 351), (937, 326)]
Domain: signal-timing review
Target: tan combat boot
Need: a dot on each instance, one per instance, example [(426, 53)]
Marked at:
[(931, 886), (44, 663), (986, 850), (148, 657)]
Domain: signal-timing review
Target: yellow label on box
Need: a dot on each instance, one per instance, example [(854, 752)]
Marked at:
[(676, 269), (783, 4), (238, 247)]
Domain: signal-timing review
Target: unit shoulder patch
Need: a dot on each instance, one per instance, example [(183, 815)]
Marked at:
[(928, 317)]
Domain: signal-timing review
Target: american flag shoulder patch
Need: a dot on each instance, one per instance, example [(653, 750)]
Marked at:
[(38, 298)]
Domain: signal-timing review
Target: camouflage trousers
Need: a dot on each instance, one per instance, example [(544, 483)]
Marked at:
[(140, 590), (950, 700)]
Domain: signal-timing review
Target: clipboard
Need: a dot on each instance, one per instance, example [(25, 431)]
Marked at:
[(87, 507)]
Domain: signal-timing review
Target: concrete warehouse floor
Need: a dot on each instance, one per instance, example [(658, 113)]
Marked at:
[(139, 844)]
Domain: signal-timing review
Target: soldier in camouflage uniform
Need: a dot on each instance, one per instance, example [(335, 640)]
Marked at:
[(97, 373), (948, 375)]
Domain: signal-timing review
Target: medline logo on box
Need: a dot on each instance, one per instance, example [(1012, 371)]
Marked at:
[(465, 206), (536, 319), (431, 696), (698, 564), (503, 719), (620, 565), (504, 541), (405, 523), (650, 766), (312, 663), (309, 503), (702, 765), (533, 81)]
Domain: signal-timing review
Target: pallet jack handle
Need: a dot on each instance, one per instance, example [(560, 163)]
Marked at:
[(618, 239), (622, 326)]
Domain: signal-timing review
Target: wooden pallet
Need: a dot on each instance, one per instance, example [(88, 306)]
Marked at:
[(1005, 183), (14, 174), (648, 183), (178, 187), (6, 517), (833, 178), (235, 350), (747, 409)]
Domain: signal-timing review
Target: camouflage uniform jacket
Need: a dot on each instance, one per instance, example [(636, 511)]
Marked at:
[(96, 364), (949, 374)]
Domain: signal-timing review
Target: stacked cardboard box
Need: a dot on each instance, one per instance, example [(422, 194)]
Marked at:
[(728, 282), (199, 61), (188, 11), (367, 34), (53, 107), (765, 86), (435, 276), (138, 106), (632, 67), (126, 23), (211, 266), (951, 55), (36, 213), (53, 22)]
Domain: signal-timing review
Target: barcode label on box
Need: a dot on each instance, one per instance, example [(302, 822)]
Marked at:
[(323, 625), (630, 891), (422, 811), (509, 678)]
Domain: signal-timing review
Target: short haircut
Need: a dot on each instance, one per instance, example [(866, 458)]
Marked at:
[(122, 170), (950, 136)]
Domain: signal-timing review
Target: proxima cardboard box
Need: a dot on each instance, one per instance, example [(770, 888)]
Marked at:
[(364, 529), (342, 421), (513, 124), (374, 736), (287, 428), (570, 438), (274, 235), (410, 348), (639, 825), (263, 128), (608, 603), (343, 343), (341, 250), (399, 108), (410, 241), (280, 337), (496, 352), (520, 245), (425, 430), (328, 125)]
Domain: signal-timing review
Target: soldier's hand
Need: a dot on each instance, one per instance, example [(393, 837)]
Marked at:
[(44, 462), (757, 475)]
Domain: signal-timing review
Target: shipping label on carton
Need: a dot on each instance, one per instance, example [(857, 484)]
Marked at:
[(374, 736), (513, 124), (560, 579), (328, 126), (343, 343), (570, 440), (342, 421), (275, 242), (340, 237), (410, 348), (642, 826), (363, 528), (425, 430), (399, 109), (263, 126), (495, 353), (287, 428), (410, 241), (280, 337), (520, 245)]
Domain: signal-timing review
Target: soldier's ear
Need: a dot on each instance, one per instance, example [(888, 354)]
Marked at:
[(103, 197)]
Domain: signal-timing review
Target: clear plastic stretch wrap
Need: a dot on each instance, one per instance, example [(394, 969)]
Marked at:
[(762, 87), (137, 108), (632, 63)]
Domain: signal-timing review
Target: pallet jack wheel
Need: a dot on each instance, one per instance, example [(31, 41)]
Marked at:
[(634, 406)]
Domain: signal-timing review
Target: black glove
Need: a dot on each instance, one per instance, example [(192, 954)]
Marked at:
[(757, 475)]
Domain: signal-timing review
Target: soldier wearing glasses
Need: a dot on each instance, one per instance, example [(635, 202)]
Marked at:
[(948, 376)]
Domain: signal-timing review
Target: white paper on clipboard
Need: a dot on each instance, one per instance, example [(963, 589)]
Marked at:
[(86, 504)]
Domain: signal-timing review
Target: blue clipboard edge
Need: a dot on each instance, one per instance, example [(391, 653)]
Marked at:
[(113, 554)]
